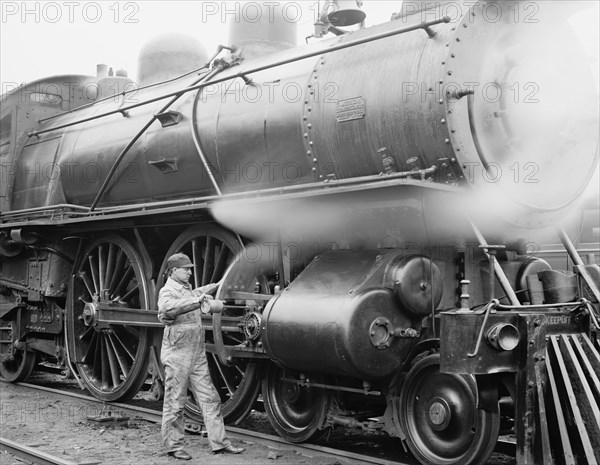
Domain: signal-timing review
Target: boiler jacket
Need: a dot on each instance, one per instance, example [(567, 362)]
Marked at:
[(185, 363)]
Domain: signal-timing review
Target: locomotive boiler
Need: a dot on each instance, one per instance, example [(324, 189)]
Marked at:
[(367, 201)]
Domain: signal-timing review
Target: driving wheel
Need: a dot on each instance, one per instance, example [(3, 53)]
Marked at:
[(111, 359)]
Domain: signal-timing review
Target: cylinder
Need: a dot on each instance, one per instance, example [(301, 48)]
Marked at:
[(332, 320)]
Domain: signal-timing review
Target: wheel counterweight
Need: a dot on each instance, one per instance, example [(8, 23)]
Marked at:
[(439, 416), (112, 362)]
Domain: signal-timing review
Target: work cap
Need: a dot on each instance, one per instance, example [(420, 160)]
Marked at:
[(179, 260)]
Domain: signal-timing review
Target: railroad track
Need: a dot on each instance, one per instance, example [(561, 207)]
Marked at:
[(33, 455), (155, 416)]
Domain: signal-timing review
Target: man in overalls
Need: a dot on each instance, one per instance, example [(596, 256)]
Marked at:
[(184, 361)]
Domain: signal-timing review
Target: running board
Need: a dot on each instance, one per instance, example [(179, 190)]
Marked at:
[(570, 401)]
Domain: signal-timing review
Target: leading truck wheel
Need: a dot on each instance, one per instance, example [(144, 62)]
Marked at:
[(297, 412), (112, 361), (20, 367), (438, 413), (212, 250)]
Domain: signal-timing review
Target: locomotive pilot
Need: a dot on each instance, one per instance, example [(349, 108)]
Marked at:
[(184, 360)]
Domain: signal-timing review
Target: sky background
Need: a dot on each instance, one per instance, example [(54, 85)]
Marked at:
[(45, 38), (37, 42)]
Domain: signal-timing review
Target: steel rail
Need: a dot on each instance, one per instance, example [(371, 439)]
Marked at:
[(33, 455), (155, 416)]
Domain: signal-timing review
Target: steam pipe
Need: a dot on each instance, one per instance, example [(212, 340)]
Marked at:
[(220, 48), (178, 93), (579, 265), (571, 250), (499, 272)]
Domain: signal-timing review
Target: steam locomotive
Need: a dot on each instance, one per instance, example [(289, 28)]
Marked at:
[(367, 202)]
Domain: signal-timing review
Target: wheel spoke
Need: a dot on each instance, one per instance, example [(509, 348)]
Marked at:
[(129, 294), (90, 352), (122, 362), (86, 332), (112, 360), (221, 264), (198, 262), (132, 330), (104, 363), (101, 268), (110, 264), (208, 260), (97, 354), (121, 258), (124, 281), (125, 348), (94, 271), (86, 281), (223, 377)]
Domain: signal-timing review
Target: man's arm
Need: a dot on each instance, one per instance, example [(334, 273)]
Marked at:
[(170, 305)]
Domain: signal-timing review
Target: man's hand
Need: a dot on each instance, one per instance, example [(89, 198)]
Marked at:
[(208, 289)]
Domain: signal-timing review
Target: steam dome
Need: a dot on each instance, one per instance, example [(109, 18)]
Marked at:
[(169, 55)]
